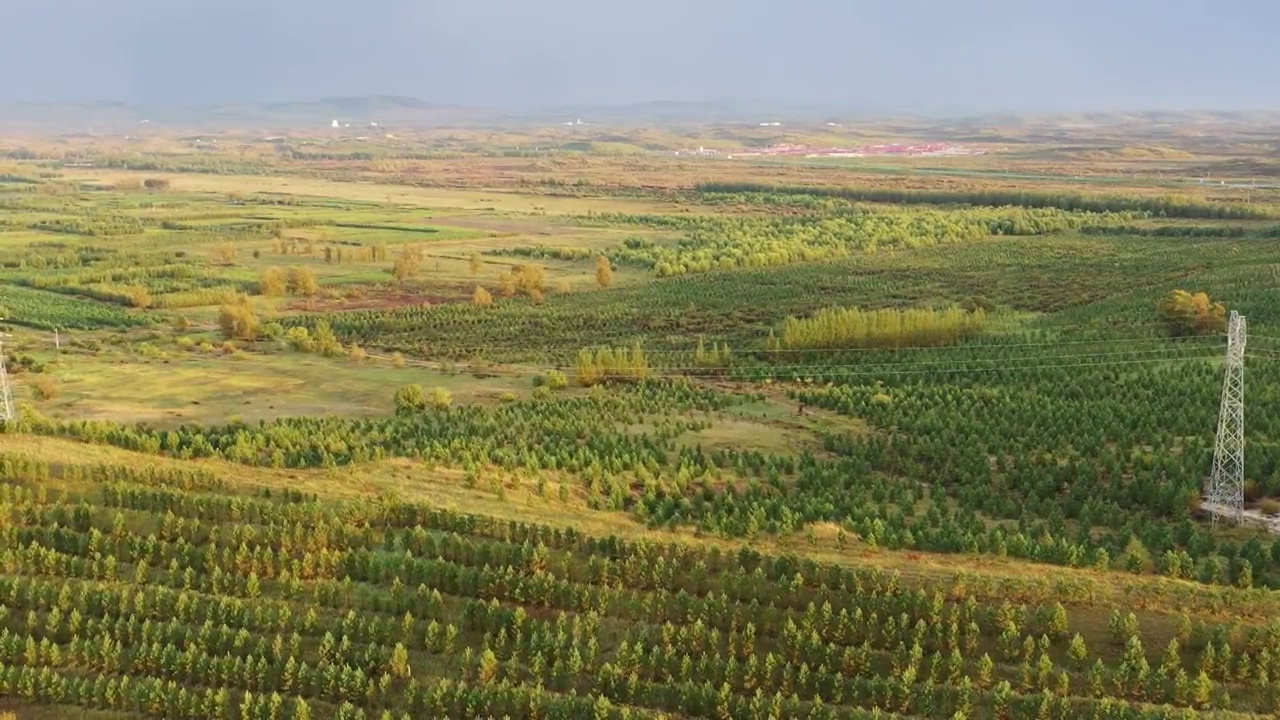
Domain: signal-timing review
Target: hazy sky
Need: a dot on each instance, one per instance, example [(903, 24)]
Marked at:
[(901, 54)]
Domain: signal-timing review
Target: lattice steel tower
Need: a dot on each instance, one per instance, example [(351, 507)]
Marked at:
[(6, 396), (1226, 482)]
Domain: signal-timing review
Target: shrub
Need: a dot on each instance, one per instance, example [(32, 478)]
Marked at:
[(45, 388), (1271, 506), (523, 280), (225, 253), (326, 342), (146, 349), (440, 398), (273, 331), (974, 303), (397, 360), (299, 338), (604, 272), (139, 297), (410, 399), (556, 380)]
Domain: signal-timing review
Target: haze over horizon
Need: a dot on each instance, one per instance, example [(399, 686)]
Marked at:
[(917, 55)]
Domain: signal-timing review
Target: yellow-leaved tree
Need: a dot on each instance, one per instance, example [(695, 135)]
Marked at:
[(528, 280), (274, 282), (612, 364), (1186, 313), (407, 266), (302, 281), (238, 320)]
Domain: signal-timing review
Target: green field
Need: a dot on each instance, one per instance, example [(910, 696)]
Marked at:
[(594, 436)]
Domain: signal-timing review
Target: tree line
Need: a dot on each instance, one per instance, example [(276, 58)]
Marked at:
[(1158, 206)]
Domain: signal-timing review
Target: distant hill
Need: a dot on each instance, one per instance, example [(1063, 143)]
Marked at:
[(415, 112)]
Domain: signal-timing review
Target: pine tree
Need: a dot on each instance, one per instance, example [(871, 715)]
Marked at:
[(399, 664), (1000, 699), (1077, 651), (1057, 625), (986, 671), (488, 670), (1132, 674), (1097, 679), (1171, 661), (1202, 693)]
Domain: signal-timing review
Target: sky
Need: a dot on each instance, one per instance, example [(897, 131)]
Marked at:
[(922, 55)]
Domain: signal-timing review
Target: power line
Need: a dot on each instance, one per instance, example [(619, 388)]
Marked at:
[(1037, 359), (1190, 340), (1173, 353), (838, 372), (1034, 366)]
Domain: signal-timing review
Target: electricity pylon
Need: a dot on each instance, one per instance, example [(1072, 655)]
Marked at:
[(1225, 491), (7, 414)]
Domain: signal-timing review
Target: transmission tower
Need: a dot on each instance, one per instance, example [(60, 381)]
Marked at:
[(6, 396), (1225, 491)]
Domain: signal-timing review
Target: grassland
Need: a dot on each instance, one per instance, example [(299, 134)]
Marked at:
[(440, 428)]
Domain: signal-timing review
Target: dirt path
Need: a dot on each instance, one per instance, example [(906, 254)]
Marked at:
[(1250, 517)]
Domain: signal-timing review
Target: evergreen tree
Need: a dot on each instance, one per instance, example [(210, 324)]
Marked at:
[(399, 663), (1202, 692), (1077, 651), (488, 670), (1057, 625)]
